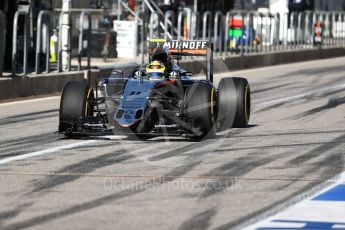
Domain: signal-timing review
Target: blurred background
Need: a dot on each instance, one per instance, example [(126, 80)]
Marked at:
[(71, 33)]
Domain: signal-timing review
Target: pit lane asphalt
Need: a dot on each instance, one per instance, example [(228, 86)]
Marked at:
[(295, 141)]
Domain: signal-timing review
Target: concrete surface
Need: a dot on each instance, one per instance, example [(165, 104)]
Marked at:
[(32, 84), (295, 141)]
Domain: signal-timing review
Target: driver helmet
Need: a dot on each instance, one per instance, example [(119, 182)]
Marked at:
[(163, 55), (155, 69)]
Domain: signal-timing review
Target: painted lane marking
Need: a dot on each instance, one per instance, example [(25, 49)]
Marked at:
[(324, 210), (46, 151), (336, 193), (115, 137), (293, 225), (29, 101), (268, 103), (332, 61)]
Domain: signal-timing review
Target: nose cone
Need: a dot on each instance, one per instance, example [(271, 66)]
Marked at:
[(133, 102)]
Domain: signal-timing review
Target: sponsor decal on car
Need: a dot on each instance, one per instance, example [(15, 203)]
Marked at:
[(166, 126), (93, 125), (180, 47), (186, 45)]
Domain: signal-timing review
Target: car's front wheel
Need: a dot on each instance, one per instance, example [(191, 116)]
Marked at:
[(76, 101), (233, 103), (200, 106)]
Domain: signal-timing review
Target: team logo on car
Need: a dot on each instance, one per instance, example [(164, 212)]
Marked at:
[(173, 74)]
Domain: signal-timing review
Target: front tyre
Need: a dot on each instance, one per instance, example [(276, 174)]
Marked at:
[(233, 103), (76, 101), (200, 106)]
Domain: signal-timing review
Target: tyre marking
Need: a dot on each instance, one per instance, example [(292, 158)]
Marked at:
[(46, 151)]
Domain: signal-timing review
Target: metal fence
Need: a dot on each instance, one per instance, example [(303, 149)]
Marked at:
[(22, 42), (239, 32), (25, 42), (44, 19), (233, 33)]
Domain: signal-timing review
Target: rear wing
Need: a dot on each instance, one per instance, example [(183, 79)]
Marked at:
[(187, 48)]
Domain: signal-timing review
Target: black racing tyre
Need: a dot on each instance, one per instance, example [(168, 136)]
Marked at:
[(75, 102), (200, 106), (233, 103)]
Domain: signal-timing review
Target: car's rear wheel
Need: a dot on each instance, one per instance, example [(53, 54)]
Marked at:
[(76, 101), (233, 103), (200, 107)]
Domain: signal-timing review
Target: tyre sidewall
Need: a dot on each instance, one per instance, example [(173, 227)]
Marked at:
[(74, 99), (200, 106)]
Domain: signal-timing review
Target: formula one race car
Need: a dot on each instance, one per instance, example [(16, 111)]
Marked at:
[(161, 99)]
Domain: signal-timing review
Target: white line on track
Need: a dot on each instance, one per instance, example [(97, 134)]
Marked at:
[(267, 103), (29, 101), (46, 151), (311, 63), (115, 137)]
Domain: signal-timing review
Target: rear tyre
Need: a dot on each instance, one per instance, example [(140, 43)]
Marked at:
[(200, 107), (233, 103), (76, 101)]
